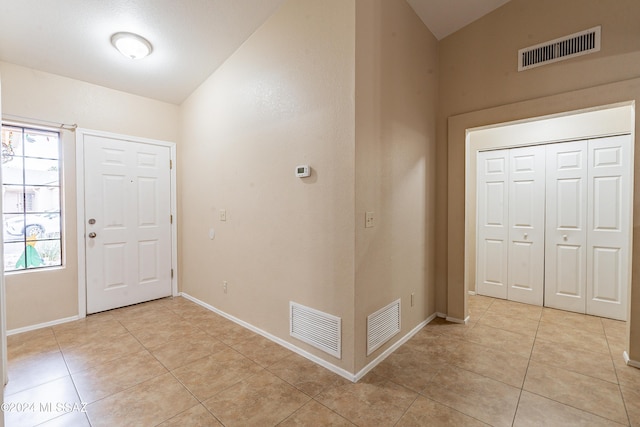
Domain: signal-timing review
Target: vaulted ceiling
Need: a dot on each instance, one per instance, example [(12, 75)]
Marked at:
[(71, 37)]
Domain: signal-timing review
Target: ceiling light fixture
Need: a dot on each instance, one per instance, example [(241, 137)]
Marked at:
[(131, 45)]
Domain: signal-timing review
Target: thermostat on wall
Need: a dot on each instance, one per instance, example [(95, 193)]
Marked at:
[(303, 171)]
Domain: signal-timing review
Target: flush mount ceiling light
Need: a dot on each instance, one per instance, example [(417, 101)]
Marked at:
[(131, 45)]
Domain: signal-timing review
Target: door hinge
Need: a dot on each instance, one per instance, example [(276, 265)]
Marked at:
[(170, 164), (172, 273), (171, 219)]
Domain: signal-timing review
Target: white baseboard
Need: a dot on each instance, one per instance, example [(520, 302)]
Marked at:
[(630, 362), (441, 315), (327, 365), (41, 325), (455, 320), (471, 292)]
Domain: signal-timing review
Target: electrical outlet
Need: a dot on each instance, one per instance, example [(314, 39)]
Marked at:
[(222, 214), (224, 286), (369, 220)]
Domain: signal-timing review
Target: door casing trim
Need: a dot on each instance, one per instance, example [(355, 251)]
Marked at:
[(82, 277)]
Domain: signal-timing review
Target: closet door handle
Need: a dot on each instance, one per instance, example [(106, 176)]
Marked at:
[(564, 237), (525, 236)]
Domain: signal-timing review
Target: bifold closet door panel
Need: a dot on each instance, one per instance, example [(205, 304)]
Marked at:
[(566, 226), (493, 223), (526, 224), (609, 226)]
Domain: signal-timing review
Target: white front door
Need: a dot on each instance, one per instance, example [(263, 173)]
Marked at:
[(609, 236), (566, 240), (526, 224), (493, 223), (127, 222)]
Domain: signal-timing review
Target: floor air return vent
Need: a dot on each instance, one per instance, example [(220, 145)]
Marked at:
[(570, 46), (382, 325), (316, 328)]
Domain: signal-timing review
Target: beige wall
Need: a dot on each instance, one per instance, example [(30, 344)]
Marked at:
[(43, 296), (478, 71), (396, 95), (284, 98)]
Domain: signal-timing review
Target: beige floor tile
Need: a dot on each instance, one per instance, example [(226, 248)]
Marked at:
[(515, 309), (499, 339), (212, 374), (631, 396), (229, 332), (597, 365), (572, 320), (164, 333), (426, 412), (520, 325), (29, 343), (146, 404), (408, 367), (259, 400), (187, 349), (477, 396), (589, 394), (112, 377), (614, 328), (372, 401), (479, 303), (85, 330), (69, 419), (628, 376), (438, 347), (582, 339), (147, 318), (537, 411), (101, 350), (498, 365), (617, 346), (306, 376), (316, 415), (30, 371), (261, 350), (198, 416), (44, 402)]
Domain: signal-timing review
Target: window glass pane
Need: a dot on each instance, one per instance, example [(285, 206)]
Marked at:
[(41, 172), (13, 199), (41, 144), (49, 253), (11, 142), (42, 226), (12, 171), (12, 252), (13, 227), (43, 199)]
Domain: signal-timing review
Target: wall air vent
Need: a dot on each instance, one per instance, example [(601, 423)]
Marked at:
[(573, 45), (321, 330), (382, 325)]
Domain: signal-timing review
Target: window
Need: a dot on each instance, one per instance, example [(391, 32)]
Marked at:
[(31, 198)]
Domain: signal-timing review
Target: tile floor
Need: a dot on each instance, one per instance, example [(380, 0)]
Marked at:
[(173, 363)]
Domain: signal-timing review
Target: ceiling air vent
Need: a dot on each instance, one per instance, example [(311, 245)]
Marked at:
[(570, 46)]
